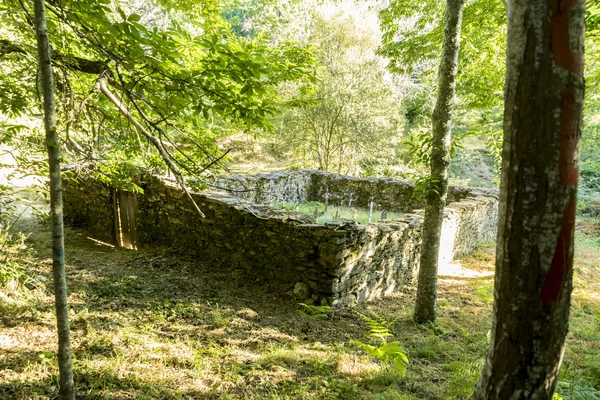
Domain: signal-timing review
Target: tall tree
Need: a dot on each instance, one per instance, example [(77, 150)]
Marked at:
[(425, 309), (67, 389), (351, 118), (542, 125)]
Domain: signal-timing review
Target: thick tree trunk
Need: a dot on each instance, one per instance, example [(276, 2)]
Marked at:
[(56, 212), (425, 309), (542, 128)]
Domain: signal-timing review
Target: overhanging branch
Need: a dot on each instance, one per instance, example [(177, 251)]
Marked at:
[(103, 88), (71, 62)]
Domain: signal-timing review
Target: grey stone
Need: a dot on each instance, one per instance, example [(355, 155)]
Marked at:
[(301, 291), (37, 281)]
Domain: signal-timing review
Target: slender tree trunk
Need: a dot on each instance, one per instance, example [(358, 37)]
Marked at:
[(425, 309), (542, 128), (67, 390)]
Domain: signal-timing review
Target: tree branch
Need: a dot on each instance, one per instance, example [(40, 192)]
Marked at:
[(103, 88), (71, 62)]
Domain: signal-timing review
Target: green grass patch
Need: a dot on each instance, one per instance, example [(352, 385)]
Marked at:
[(155, 324)]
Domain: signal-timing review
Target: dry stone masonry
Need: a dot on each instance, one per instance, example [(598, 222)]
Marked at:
[(337, 263)]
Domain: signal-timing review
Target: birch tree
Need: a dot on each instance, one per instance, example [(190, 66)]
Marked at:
[(425, 308), (534, 263), (56, 212)]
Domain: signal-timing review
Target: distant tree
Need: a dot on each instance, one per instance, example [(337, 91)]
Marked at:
[(412, 40), (349, 117), (534, 262), (67, 390), (437, 190)]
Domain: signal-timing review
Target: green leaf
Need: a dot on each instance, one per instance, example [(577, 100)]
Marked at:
[(134, 18)]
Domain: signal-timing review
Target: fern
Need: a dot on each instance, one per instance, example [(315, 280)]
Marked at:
[(388, 352), (379, 327), (391, 352), (576, 390), (314, 312)]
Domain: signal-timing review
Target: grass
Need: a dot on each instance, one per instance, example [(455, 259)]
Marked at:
[(159, 324), (335, 212)]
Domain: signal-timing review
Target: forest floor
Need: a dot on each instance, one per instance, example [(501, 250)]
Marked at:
[(159, 324)]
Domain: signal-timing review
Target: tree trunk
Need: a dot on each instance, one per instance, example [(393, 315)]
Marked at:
[(542, 127), (67, 390), (425, 309)]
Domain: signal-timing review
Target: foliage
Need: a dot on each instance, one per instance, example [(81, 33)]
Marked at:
[(119, 174), (7, 205), (412, 38), (416, 150), (313, 312), (577, 390), (494, 146), (387, 352), (13, 275), (424, 184), (590, 150), (351, 113), (184, 84)]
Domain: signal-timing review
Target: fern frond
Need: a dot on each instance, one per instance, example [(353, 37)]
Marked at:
[(378, 327), (314, 312)]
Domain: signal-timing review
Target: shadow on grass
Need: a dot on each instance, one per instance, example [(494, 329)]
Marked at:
[(158, 323), (94, 385)]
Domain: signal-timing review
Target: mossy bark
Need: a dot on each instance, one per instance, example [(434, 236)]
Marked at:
[(542, 127), (425, 309), (67, 391)]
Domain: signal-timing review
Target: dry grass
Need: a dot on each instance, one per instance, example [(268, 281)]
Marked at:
[(159, 324)]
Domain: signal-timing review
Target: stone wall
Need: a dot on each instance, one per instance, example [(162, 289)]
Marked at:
[(377, 259), (292, 186), (337, 263), (88, 203), (468, 224), (312, 185)]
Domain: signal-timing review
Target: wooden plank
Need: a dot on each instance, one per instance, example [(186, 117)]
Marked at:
[(117, 212), (125, 219)]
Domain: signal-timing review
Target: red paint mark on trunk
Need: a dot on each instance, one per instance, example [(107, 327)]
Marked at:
[(559, 37), (569, 136), (562, 261)]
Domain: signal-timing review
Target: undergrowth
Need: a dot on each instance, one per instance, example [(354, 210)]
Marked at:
[(386, 351)]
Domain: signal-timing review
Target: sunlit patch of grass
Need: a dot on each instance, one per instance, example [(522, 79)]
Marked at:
[(463, 376), (485, 291), (151, 325)]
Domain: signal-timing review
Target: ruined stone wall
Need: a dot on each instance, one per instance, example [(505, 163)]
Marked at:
[(340, 263), (312, 185), (386, 193), (274, 245), (289, 186), (468, 224), (377, 259), (88, 203)]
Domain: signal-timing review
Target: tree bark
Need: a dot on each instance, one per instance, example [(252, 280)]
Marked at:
[(425, 309), (67, 389), (542, 128)]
